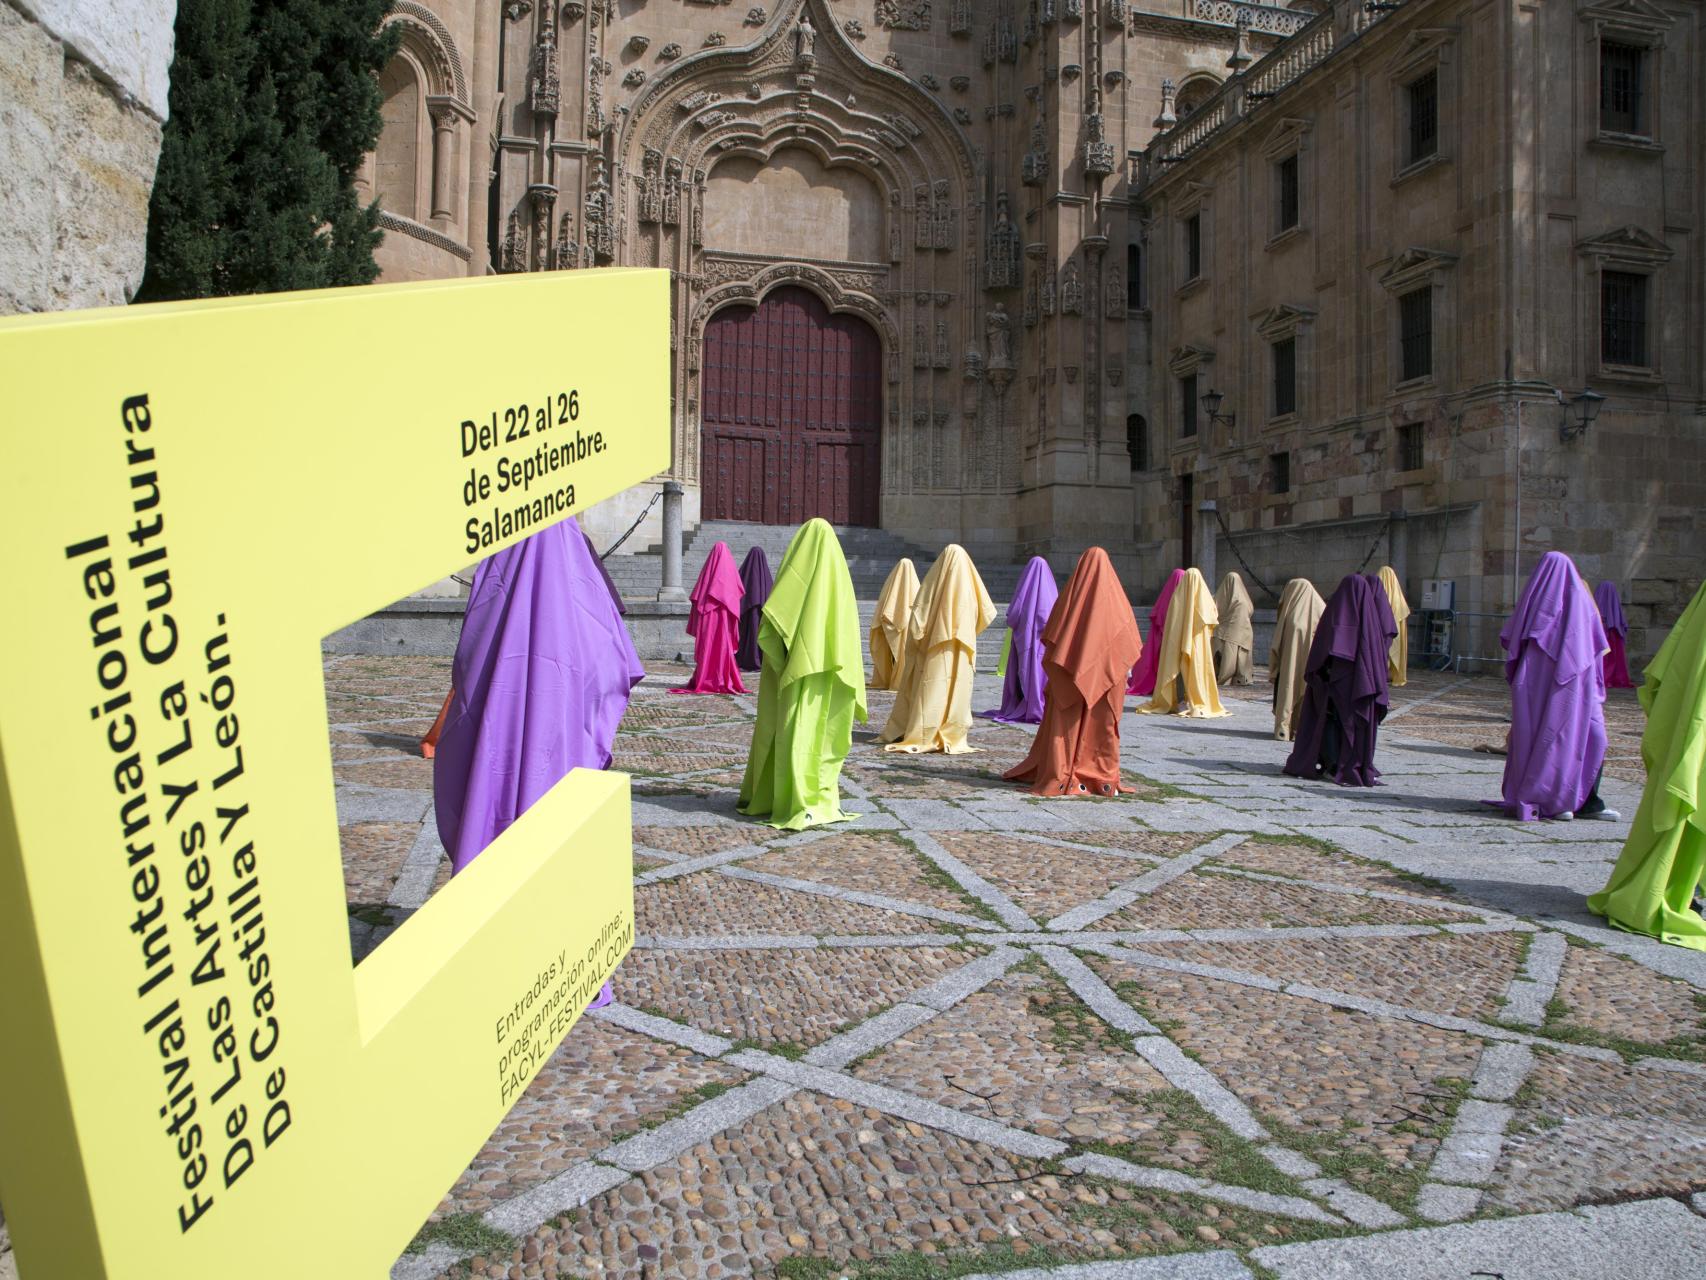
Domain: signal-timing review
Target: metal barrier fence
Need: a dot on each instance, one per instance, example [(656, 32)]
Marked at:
[(1445, 635), (1458, 658)]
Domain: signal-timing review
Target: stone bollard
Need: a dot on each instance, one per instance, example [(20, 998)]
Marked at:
[(1207, 531), (671, 588)]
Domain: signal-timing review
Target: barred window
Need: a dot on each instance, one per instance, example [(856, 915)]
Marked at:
[(1623, 318), (1622, 70), (1423, 94), (1193, 246), (1279, 472), (1188, 405), (1410, 446), (1137, 441), (1286, 179), (1285, 377), (1416, 332), (1133, 276)]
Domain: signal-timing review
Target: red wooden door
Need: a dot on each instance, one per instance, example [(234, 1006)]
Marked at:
[(792, 414)]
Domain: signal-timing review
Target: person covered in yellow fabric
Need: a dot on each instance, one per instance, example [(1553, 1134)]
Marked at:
[(932, 709), (811, 687), (1300, 610), (1398, 659), (888, 625), (1652, 887), (1235, 636), (1187, 655)]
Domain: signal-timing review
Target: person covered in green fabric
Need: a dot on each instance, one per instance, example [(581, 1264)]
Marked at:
[(811, 687), (1653, 883)]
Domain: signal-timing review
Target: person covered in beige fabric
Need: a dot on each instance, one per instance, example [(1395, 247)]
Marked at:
[(1398, 660), (1300, 609), (932, 707), (1187, 654), (1235, 637), (888, 626)]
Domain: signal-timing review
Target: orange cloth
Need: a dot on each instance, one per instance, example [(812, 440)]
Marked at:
[(932, 707), (1090, 644), (429, 744), (1187, 653)]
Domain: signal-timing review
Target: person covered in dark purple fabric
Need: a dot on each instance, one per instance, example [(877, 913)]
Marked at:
[(755, 584), (1616, 635), (1345, 679), (1027, 614), (1554, 649)]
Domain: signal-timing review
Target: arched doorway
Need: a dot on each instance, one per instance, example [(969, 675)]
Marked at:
[(792, 413)]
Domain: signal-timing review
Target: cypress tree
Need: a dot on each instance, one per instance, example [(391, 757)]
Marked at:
[(273, 105)]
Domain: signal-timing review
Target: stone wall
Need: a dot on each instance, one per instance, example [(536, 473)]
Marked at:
[(82, 104)]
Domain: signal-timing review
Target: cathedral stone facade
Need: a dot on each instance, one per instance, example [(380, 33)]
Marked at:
[(900, 230)]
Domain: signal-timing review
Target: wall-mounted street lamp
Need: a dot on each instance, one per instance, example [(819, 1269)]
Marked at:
[(1579, 413), (1211, 402)]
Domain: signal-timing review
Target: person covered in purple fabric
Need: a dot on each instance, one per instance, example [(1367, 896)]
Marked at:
[(1616, 635), (1554, 644), (755, 585), (1142, 682), (1345, 686), (1027, 614)]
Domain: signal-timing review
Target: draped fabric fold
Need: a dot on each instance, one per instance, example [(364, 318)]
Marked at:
[(755, 583), (1235, 635), (1398, 656), (888, 625), (1346, 690), (1653, 883), (714, 624), (1300, 610), (1616, 635), (1142, 682), (1090, 643), (1553, 642), (542, 675), (1022, 672), (1187, 654), (932, 707), (811, 687)]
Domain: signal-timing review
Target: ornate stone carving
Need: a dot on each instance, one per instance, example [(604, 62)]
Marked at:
[(922, 235), (651, 185), (1072, 10), (892, 140), (942, 360), (920, 346), (714, 120), (573, 12), (1098, 151), (942, 216), (1114, 13), (930, 82), (755, 16), (1046, 12), (903, 125), (904, 15), (634, 79), (1032, 307), (805, 39), (670, 52), (544, 197), (1116, 375), (1001, 271), (516, 10), (854, 28), (1071, 372), (999, 111), (600, 217), (568, 252), (513, 246), (716, 40), (973, 364), (543, 89), (639, 44), (893, 60), (1113, 295), (959, 18), (672, 193), (1070, 72), (595, 69), (1032, 28), (998, 337), (1034, 169), (698, 233), (1050, 293), (1071, 289), (701, 98), (961, 116), (959, 84)]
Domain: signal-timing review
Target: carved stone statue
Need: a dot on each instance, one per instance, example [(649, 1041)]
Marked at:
[(805, 39), (998, 333)]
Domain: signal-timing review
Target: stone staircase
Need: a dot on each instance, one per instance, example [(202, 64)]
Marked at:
[(871, 553)]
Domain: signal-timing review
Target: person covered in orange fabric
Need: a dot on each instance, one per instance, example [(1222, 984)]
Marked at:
[(1090, 644)]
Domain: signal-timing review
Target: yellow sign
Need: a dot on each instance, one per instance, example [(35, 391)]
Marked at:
[(194, 1081)]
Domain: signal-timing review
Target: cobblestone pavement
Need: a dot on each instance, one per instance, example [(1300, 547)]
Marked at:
[(974, 1031)]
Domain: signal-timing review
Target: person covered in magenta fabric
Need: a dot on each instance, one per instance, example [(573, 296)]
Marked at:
[(1024, 677), (714, 625), (1616, 635), (810, 689), (1142, 684), (429, 744), (1090, 643), (1652, 887), (1553, 646), (755, 584), (1345, 686)]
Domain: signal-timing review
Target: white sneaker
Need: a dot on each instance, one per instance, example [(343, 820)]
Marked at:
[(1565, 816), (1604, 815)]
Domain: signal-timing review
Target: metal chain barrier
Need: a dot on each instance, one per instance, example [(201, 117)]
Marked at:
[(1266, 589), (611, 550)]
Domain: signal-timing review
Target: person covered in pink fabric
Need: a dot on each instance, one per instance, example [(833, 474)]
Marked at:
[(1616, 635), (1142, 683), (714, 625)]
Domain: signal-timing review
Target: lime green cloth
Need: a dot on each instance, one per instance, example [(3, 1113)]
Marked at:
[(811, 687), (1654, 879), (1006, 648)]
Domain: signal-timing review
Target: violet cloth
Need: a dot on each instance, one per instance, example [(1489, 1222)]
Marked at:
[(1616, 635), (1345, 686), (1027, 614), (1142, 682), (755, 584), (1553, 644), (542, 675)]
